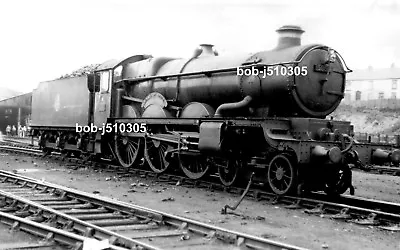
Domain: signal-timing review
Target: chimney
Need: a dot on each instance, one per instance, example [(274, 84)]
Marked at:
[(289, 36), (205, 50)]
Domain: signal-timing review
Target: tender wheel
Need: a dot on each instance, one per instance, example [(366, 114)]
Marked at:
[(338, 181), (194, 166), (127, 150), (281, 175), (42, 141), (76, 154), (65, 154), (229, 172), (88, 157), (155, 152), (46, 151)]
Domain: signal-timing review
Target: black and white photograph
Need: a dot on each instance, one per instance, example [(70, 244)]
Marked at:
[(200, 124)]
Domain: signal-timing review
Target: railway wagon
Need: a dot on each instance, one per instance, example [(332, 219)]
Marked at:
[(263, 113), (57, 107)]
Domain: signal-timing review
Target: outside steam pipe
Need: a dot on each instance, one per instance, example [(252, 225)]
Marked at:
[(350, 144), (233, 105)]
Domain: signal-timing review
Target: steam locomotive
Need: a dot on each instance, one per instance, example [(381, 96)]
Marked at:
[(262, 113)]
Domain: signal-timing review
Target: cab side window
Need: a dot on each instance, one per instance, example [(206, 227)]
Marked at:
[(104, 81)]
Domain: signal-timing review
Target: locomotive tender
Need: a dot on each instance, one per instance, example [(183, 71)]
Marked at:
[(262, 112)]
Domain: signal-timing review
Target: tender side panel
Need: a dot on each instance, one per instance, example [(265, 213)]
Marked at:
[(61, 103)]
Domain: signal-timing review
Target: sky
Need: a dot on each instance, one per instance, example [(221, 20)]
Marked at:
[(43, 39)]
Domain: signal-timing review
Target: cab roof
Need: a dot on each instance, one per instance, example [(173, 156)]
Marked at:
[(114, 63)]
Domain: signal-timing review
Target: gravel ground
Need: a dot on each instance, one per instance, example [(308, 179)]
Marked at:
[(377, 186), (258, 218)]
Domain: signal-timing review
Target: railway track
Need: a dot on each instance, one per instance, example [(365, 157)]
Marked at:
[(385, 215), (25, 142), (51, 235), (375, 169), (388, 170), (79, 216)]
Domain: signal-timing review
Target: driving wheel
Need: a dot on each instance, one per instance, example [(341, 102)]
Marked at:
[(127, 150)]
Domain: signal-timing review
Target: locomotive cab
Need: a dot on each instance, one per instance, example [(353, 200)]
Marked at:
[(103, 81), (105, 100), (99, 86)]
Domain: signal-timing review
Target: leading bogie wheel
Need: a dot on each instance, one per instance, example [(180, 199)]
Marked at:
[(155, 153), (127, 150), (339, 180), (281, 174)]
